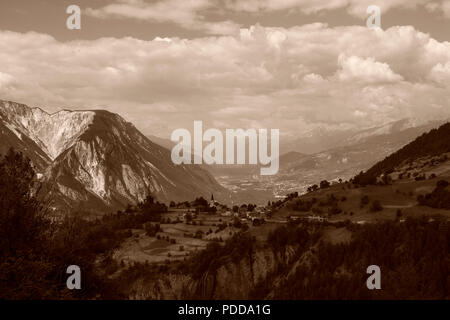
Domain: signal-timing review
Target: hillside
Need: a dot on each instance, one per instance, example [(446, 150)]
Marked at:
[(415, 182), (303, 261)]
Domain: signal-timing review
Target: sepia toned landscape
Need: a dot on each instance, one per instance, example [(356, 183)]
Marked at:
[(89, 179)]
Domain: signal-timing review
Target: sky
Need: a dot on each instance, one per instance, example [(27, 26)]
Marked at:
[(295, 65)]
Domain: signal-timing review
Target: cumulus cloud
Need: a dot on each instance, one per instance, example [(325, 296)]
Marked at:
[(295, 79), (441, 73), (313, 78), (366, 70)]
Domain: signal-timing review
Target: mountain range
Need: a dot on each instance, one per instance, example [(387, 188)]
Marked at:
[(298, 170), (95, 161), (358, 152)]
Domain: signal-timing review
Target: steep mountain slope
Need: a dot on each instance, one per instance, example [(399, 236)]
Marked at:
[(10, 137), (96, 161), (433, 143)]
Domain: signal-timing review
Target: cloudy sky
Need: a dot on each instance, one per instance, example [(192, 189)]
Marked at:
[(296, 65)]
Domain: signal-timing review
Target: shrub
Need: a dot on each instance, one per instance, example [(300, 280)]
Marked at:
[(376, 206), (324, 184), (364, 201), (439, 198), (151, 229)]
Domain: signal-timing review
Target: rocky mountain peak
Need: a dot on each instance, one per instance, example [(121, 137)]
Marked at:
[(54, 133)]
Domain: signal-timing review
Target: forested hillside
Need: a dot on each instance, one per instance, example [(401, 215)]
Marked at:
[(433, 143)]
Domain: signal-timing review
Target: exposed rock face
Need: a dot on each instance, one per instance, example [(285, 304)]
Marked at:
[(233, 279), (96, 161)]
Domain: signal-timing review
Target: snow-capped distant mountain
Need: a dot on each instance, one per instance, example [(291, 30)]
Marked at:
[(388, 129), (321, 139), (96, 161), (356, 153)]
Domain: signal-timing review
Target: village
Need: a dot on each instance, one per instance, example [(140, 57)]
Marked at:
[(188, 227)]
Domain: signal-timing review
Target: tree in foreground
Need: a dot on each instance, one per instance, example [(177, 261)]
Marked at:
[(24, 231)]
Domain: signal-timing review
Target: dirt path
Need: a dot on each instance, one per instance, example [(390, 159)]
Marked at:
[(400, 206)]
